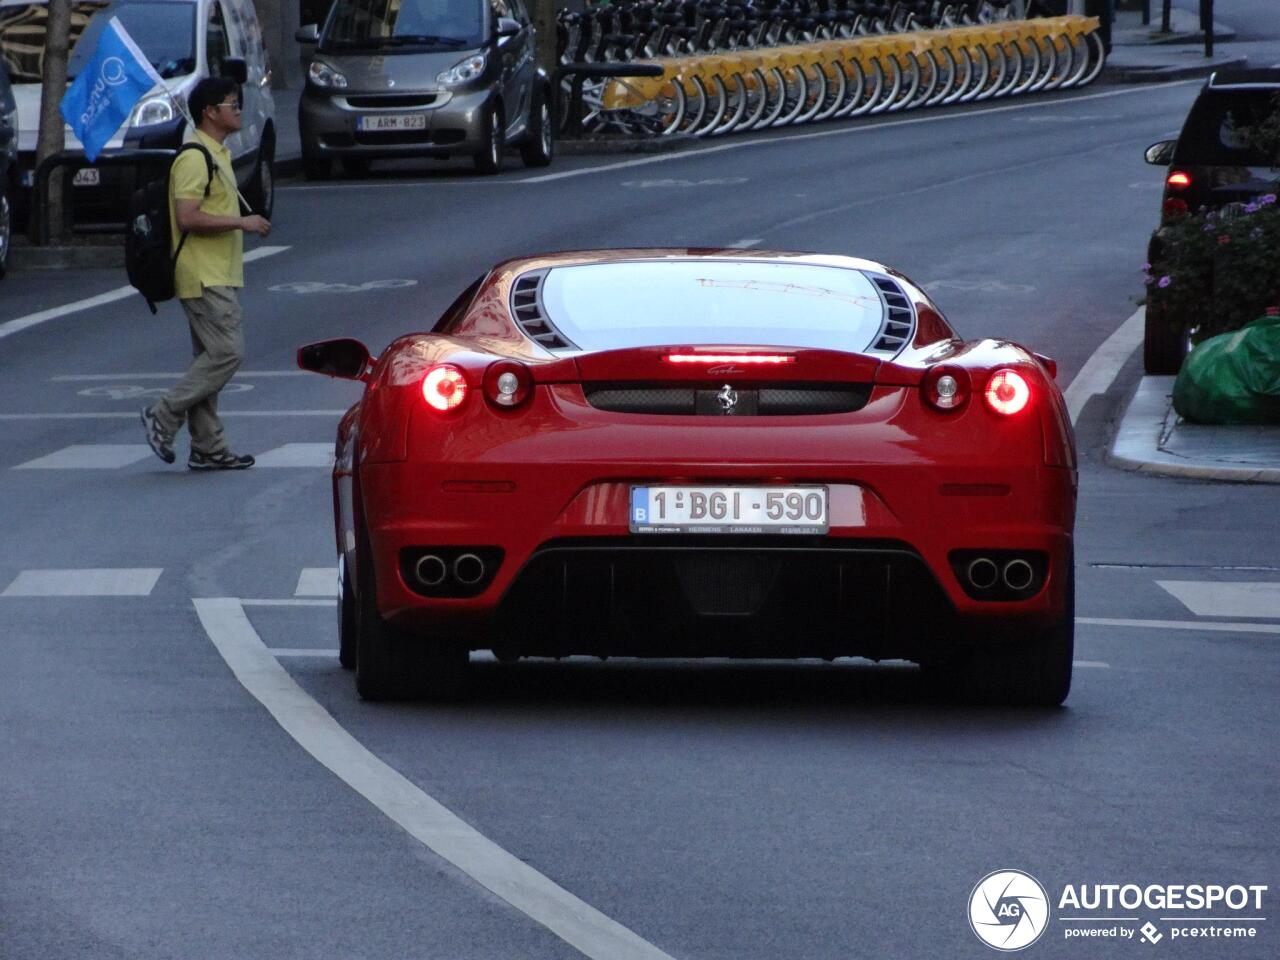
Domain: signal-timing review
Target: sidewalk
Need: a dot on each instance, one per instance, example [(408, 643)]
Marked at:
[(1143, 54), (1152, 439)]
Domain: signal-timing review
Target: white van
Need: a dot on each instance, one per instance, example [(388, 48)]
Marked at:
[(186, 40)]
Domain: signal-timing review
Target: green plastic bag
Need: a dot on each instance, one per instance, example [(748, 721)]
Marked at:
[(1233, 377)]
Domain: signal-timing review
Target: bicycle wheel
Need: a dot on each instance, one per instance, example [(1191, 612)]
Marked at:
[(1079, 61), (1065, 66), (947, 76), (1048, 63), (854, 89), (993, 79), (981, 69), (757, 101), (735, 107), (869, 90), (671, 104), (892, 84), (928, 78), (796, 92), (837, 90), (1097, 59), (910, 83), (1030, 66), (695, 110), (717, 105), (775, 96), (963, 75), (1013, 63), (816, 92)]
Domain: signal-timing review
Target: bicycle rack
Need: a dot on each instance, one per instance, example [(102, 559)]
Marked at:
[(581, 72), (66, 158)]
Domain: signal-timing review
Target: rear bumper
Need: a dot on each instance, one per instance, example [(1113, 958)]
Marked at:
[(571, 578)]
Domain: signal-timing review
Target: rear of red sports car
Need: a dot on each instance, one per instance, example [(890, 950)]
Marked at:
[(711, 454)]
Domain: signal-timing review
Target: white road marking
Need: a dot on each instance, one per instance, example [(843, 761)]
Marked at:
[(177, 375), (1206, 598), (745, 244), (286, 603), (418, 813), (317, 582), (124, 415), (301, 652), (108, 582), (90, 456), (111, 296), (835, 132), (1101, 369), (298, 455), (1088, 664), (1206, 625)]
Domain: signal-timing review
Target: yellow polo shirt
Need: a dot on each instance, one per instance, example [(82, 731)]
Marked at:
[(207, 259)]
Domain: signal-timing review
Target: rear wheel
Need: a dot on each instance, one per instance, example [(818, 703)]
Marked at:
[(1164, 344), (6, 231), (390, 664), (262, 190), (346, 616), (1034, 672)]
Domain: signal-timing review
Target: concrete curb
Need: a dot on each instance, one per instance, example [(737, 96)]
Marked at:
[(1163, 73), (23, 256), (606, 146), (1147, 424)]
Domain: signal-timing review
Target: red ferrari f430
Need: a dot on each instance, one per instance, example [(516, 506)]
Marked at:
[(691, 453)]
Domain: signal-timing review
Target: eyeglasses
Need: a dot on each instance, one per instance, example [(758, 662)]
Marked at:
[(233, 104)]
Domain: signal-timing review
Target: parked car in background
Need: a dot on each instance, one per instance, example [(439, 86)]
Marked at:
[(424, 78), (8, 164), (1213, 163), (186, 40)]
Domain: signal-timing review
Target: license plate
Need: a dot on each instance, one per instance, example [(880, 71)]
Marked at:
[(728, 510), (86, 177), (393, 121)]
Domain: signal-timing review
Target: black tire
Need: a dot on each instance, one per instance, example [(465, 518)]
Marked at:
[(355, 166), (317, 168), (262, 190), (391, 665), (538, 149), (6, 231), (346, 617), (1021, 673), (1164, 345), (488, 159)]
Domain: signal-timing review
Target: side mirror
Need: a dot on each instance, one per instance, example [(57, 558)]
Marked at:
[(308, 34), (345, 358), (507, 28), (1161, 154), (235, 69)]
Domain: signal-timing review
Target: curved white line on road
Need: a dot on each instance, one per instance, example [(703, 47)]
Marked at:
[(11, 327), (1102, 368), (422, 816)]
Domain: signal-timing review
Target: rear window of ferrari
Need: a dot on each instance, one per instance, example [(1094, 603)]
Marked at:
[(607, 306)]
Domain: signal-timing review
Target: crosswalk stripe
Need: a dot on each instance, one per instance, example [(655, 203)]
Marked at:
[(317, 582), (103, 582), (90, 456), (1207, 598), (298, 455)]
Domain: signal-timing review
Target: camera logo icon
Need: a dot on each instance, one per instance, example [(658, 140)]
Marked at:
[(1008, 910)]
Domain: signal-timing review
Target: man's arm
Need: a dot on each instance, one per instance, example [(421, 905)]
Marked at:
[(191, 218)]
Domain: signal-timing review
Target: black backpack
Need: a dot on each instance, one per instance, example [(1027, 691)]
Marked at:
[(148, 237)]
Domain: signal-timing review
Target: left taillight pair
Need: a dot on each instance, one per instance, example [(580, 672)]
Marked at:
[(506, 385), (947, 389)]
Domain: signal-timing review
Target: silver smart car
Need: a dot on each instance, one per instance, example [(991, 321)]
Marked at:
[(413, 78)]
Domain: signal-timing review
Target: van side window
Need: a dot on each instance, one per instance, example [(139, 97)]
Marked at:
[(216, 46)]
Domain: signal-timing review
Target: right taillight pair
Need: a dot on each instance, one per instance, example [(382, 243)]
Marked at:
[(947, 389)]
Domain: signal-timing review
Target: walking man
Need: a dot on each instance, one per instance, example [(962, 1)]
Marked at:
[(209, 268)]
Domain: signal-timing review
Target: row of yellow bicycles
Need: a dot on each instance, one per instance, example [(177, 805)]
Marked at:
[(752, 89)]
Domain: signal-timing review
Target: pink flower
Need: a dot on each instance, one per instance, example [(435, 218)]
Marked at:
[(1164, 282)]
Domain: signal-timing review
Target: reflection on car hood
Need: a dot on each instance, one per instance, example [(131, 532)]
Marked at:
[(393, 71)]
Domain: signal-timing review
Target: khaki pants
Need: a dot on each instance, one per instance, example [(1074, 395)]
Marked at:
[(217, 343)]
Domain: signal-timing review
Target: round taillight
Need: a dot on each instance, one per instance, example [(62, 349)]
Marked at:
[(444, 387), (946, 388), (507, 384), (1007, 392)]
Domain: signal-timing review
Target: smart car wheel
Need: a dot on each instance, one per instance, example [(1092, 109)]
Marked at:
[(6, 231), (537, 150), (488, 159), (262, 191)]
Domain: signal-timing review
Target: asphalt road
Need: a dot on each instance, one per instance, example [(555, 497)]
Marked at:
[(153, 808)]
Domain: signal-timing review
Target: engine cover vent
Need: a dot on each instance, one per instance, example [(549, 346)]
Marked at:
[(899, 318), (526, 307)]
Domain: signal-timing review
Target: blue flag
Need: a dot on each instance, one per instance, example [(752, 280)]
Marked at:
[(98, 102)]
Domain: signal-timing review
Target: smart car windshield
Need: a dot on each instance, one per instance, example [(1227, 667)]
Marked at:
[(651, 303), (403, 24), (164, 31)]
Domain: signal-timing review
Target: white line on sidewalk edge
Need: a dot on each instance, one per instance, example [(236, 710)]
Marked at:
[(422, 816), (1101, 369), (111, 296)]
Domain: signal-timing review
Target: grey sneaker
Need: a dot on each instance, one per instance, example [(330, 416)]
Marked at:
[(160, 443), (226, 460)]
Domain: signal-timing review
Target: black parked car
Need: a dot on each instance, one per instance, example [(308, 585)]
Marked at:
[(1210, 165), (8, 164)]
